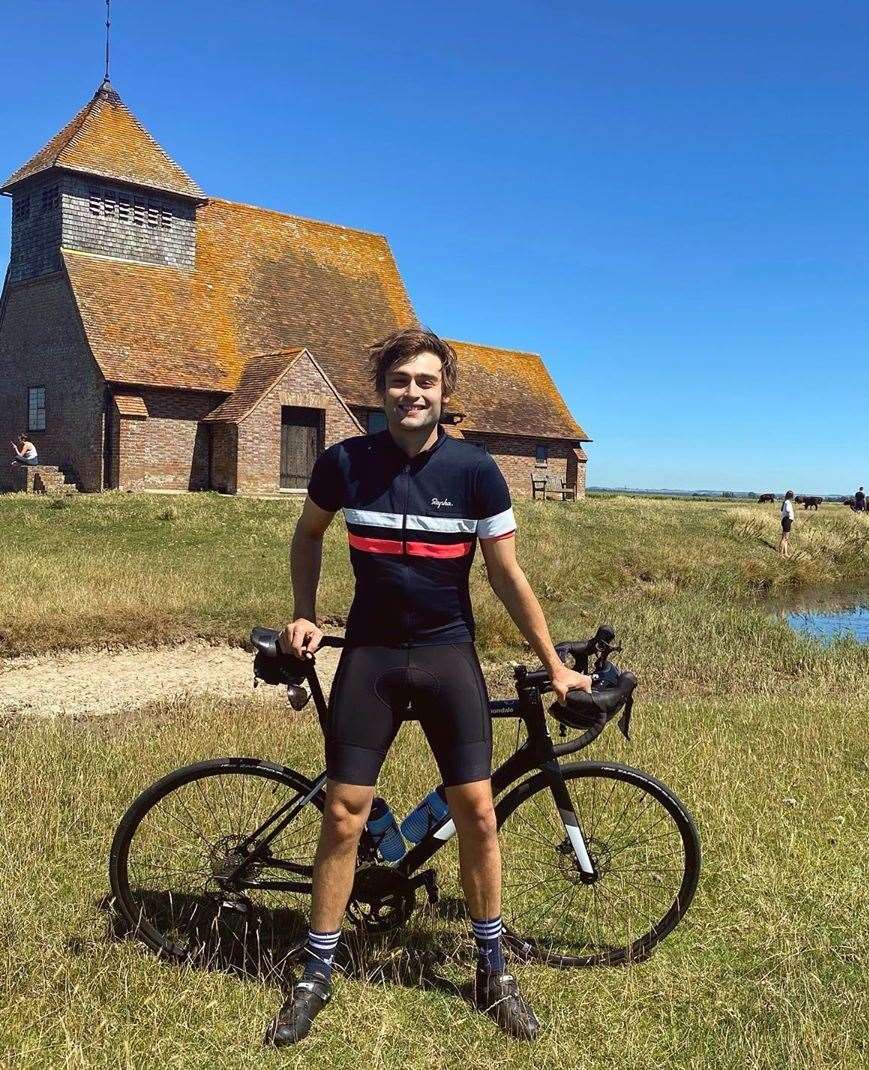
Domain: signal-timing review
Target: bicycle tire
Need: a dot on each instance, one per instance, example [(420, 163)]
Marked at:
[(577, 948), (215, 934)]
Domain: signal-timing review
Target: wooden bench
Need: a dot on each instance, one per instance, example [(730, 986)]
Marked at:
[(545, 483), (40, 479)]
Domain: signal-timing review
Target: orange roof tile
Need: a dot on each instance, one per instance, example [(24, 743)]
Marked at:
[(131, 405), (509, 392), (263, 282), (106, 139)]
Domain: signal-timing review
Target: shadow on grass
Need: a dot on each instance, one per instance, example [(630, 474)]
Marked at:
[(266, 945)]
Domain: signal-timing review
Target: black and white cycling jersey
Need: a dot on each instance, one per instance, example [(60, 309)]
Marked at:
[(412, 525)]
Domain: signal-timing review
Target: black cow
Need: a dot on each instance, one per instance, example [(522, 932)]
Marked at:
[(811, 501), (849, 502), (766, 498)]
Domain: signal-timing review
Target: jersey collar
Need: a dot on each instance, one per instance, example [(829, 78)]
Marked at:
[(389, 442)]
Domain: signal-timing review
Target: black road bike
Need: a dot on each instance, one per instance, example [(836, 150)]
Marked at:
[(600, 860)]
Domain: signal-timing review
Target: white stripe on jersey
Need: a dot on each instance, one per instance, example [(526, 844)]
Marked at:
[(499, 524), (414, 521)]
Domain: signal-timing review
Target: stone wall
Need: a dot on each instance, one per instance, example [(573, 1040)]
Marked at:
[(42, 344), (224, 451), (168, 450), (259, 434), (517, 459)]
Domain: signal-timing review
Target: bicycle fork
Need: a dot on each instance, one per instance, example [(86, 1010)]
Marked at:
[(552, 771)]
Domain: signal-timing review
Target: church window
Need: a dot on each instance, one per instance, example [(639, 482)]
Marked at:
[(108, 203), (165, 218), (139, 207), (153, 215), (376, 421), (36, 408), (541, 456), (95, 201), (123, 209)]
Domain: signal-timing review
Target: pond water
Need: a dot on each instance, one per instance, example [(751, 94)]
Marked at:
[(827, 614)]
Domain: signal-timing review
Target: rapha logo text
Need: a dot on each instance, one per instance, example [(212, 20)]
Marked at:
[(439, 503)]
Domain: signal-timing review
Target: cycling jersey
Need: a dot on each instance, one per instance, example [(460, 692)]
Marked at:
[(412, 525)]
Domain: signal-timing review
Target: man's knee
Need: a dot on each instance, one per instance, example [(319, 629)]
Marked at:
[(346, 811), (474, 814)]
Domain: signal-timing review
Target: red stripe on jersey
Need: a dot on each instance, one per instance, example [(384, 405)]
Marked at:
[(439, 549), (497, 538), (375, 546), (415, 549)]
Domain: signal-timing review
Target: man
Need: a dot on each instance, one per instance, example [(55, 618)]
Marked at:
[(415, 502), (859, 500)]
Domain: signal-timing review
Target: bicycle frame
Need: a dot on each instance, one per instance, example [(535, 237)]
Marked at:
[(537, 753)]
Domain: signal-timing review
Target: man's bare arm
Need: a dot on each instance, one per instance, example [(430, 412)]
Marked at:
[(511, 586), (306, 555)]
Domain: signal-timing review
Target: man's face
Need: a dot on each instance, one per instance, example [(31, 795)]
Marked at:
[(414, 396)]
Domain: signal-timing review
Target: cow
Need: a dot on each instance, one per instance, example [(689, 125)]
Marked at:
[(849, 502), (811, 501), (766, 498)]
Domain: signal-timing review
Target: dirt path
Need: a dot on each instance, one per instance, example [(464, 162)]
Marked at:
[(90, 683)]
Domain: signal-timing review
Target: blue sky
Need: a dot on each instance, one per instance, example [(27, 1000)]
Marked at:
[(668, 201)]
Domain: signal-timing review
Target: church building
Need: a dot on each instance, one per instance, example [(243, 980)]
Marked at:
[(155, 337)]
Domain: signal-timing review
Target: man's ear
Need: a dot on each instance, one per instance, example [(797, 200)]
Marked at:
[(445, 400)]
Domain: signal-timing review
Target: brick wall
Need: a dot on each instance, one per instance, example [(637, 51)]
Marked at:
[(42, 344), (516, 458), (259, 434), (169, 450), (224, 451)]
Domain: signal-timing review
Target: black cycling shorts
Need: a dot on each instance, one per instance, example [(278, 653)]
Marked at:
[(378, 687)]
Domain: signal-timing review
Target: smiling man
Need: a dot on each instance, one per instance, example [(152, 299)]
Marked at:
[(415, 502)]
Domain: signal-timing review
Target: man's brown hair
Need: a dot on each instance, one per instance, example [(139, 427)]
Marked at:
[(402, 346)]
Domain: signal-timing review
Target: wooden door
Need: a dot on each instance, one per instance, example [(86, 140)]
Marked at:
[(301, 444)]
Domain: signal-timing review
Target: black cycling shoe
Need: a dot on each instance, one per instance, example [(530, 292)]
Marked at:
[(301, 1007), (498, 996)]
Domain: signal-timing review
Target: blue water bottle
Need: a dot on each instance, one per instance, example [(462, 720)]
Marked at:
[(384, 831), (422, 820)]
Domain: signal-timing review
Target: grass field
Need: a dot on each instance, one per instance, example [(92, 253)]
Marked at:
[(762, 733)]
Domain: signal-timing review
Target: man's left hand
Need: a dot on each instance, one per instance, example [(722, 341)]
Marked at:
[(564, 680)]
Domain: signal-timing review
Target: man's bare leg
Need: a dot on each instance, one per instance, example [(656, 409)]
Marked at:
[(472, 811), (347, 808)]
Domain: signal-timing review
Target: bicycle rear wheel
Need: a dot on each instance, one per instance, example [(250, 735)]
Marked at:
[(645, 848), (178, 843)]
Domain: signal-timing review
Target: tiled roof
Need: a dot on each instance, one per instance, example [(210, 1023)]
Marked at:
[(263, 282), (106, 139), (267, 283), (260, 375), (131, 405), (510, 393)]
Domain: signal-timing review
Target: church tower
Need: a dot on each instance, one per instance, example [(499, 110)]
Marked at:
[(102, 185)]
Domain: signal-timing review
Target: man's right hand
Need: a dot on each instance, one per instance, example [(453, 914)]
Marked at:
[(300, 637)]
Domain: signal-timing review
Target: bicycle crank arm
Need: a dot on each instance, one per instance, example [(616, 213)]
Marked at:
[(428, 880)]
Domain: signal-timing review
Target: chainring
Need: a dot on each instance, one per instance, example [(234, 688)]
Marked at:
[(382, 899)]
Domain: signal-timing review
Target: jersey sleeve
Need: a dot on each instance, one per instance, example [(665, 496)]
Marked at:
[(492, 506), (326, 485)]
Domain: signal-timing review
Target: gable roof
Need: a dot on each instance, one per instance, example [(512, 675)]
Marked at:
[(263, 282), (106, 139), (262, 374), (509, 392)]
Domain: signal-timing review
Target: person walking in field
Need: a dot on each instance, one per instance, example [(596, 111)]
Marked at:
[(25, 452), (787, 521), (859, 500), (416, 503)]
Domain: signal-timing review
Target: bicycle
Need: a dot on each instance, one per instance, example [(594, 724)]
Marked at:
[(600, 860)]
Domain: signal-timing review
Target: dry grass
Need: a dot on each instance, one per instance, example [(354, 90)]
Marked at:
[(762, 733)]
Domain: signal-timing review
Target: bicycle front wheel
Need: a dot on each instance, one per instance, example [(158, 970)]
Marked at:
[(188, 882), (645, 849)]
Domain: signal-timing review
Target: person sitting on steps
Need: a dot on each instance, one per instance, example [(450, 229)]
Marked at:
[(25, 452), (415, 502)]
